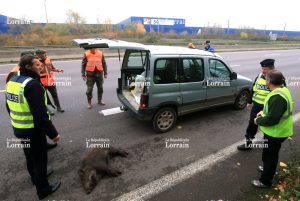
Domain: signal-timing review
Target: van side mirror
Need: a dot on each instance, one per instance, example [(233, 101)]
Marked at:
[(233, 76)]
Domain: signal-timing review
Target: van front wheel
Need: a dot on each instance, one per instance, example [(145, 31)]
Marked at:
[(241, 100), (164, 120)]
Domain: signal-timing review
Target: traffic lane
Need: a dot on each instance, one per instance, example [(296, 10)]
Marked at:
[(79, 121), (256, 55), (149, 158), (77, 124), (236, 172), (245, 60)]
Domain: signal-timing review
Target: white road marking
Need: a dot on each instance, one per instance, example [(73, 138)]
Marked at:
[(7, 65), (111, 111), (3, 74), (1, 91), (271, 55), (235, 65), (155, 187)]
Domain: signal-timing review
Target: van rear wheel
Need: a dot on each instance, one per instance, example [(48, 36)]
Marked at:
[(164, 120)]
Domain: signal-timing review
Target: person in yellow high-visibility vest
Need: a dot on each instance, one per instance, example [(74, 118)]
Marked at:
[(26, 103), (16, 71), (276, 122), (259, 92)]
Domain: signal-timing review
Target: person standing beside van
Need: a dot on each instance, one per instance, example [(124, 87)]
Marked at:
[(259, 92), (93, 70), (276, 122)]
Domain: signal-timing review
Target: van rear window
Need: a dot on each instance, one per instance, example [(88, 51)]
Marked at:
[(135, 59)]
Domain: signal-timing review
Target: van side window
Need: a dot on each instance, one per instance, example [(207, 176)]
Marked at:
[(192, 70), (165, 71), (218, 69)]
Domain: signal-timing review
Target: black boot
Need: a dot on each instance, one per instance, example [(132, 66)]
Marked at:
[(57, 104), (50, 112), (51, 146), (246, 146), (59, 109), (49, 172), (49, 190)]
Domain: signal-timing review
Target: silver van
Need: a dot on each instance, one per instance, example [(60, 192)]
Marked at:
[(159, 83)]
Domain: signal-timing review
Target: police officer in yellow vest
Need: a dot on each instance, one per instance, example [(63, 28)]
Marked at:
[(259, 92), (276, 122), (93, 70), (16, 71), (26, 102)]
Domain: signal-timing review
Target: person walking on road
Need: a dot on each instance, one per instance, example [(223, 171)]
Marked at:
[(208, 47), (93, 70), (276, 122), (27, 106), (47, 77), (259, 92)]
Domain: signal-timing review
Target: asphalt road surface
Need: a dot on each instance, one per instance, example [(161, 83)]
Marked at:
[(207, 133)]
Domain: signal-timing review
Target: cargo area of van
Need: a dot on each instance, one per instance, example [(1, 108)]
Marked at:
[(133, 77), (133, 88)]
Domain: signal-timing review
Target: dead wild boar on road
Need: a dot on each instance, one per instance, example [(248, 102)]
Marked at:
[(96, 164)]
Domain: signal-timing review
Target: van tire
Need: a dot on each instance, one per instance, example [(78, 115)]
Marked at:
[(164, 120), (241, 100)]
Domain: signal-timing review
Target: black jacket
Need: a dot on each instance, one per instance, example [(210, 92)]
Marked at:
[(34, 93)]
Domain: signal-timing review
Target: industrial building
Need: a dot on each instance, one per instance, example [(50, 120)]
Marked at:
[(157, 24)]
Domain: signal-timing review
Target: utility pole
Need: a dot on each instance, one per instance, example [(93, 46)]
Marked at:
[(284, 29), (265, 30), (46, 11), (228, 27)]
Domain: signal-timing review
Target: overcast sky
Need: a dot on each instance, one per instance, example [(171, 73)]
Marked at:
[(260, 14)]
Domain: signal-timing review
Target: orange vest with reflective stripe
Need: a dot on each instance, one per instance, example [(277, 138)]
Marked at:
[(94, 61), (13, 71), (46, 75)]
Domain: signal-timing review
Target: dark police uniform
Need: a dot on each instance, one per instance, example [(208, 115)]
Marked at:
[(259, 92), (31, 121)]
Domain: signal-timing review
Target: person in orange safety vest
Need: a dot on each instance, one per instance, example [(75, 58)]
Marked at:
[(93, 70), (47, 77)]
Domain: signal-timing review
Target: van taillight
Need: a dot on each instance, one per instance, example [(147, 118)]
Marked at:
[(144, 101)]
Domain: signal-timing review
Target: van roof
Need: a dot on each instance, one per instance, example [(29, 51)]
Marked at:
[(160, 49), (154, 49)]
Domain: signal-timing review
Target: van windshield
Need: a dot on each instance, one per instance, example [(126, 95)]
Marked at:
[(134, 59)]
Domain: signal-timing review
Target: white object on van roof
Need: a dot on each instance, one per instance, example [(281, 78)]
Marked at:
[(154, 49)]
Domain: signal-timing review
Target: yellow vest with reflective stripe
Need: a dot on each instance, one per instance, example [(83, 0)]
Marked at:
[(285, 126), (20, 113), (260, 90)]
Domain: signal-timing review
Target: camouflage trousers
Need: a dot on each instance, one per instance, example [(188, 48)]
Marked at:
[(90, 82), (53, 92)]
